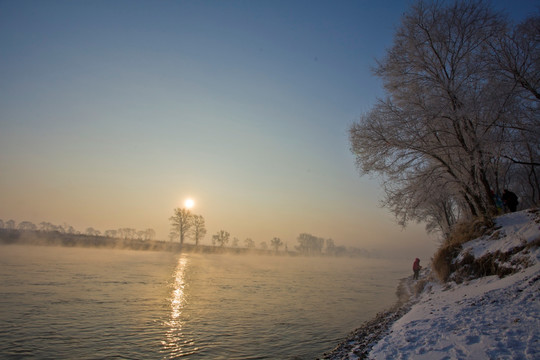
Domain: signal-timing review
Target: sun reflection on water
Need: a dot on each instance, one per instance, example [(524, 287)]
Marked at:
[(177, 342)]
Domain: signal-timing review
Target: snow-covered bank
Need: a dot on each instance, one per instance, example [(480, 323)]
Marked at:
[(480, 318)]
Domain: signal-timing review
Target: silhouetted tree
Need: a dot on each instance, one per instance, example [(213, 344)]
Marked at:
[(199, 229), (68, 229), (10, 224), (309, 244), (276, 243), (92, 232), (249, 243), (27, 226), (111, 233), (181, 222), (330, 247), (149, 234), (127, 233), (221, 238), (46, 226)]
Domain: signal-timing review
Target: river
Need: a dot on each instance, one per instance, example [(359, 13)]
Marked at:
[(78, 303)]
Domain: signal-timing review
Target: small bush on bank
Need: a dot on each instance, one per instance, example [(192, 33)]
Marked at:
[(463, 232)]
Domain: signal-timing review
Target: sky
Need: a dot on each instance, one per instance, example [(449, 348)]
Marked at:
[(113, 113)]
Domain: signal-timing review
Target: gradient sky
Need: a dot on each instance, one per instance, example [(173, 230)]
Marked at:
[(112, 113)]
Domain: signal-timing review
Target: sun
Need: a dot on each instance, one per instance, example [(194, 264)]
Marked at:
[(189, 203)]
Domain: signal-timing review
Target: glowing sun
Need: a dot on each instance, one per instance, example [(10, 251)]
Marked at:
[(189, 203)]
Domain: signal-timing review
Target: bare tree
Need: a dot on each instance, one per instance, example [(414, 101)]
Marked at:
[(221, 238), (181, 223), (46, 226), (111, 233), (276, 243), (149, 234), (199, 229), (127, 233), (26, 226), (92, 232), (309, 244), (249, 243), (10, 225), (67, 229), (330, 246)]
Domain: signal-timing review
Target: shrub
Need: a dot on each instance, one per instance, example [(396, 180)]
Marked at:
[(463, 232)]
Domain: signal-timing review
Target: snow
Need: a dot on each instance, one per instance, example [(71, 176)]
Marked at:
[(483, 318), (515, 229)]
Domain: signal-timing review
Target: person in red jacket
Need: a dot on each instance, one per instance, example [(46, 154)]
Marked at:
[(416, 268)]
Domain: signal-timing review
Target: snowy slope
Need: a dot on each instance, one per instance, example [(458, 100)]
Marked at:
[(483, 318)]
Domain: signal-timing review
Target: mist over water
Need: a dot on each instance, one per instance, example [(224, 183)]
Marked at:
[(87, 303)]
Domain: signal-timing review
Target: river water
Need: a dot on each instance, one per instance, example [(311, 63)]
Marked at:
[(76, 303)]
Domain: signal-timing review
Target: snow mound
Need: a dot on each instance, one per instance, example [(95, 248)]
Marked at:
[(512, 231)]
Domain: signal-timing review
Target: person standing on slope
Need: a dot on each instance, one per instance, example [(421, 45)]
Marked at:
[(416, 268), (510, 200)]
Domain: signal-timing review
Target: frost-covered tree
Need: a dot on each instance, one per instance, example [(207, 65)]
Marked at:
[(516, 60), (439, 138)]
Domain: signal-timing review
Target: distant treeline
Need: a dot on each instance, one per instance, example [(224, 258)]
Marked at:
[(56, 238)]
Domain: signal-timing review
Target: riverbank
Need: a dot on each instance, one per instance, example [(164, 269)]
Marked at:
[(359, 342), (470, 316)]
